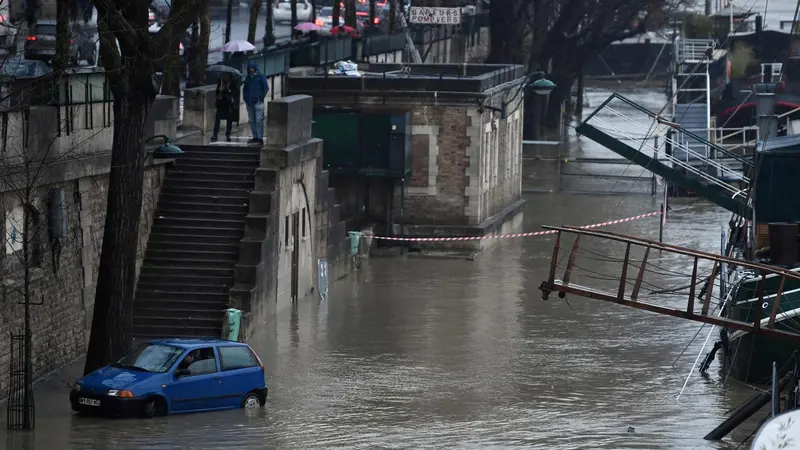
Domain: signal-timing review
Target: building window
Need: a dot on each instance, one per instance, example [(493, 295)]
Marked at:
[(304, 222), (286, 231), (15, 220)]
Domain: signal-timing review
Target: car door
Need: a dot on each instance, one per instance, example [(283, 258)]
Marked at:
[(241, 372), (199, 388)]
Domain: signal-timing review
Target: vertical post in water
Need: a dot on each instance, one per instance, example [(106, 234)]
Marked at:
[(774, 389), (661, 225), (723, 268)]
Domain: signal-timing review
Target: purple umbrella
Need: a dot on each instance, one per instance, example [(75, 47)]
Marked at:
[(305, 27)]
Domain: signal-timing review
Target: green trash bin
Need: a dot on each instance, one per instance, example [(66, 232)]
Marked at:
[(234, 317), (355, 236)]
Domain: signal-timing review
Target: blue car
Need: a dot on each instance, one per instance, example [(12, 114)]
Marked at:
[(173, 376)]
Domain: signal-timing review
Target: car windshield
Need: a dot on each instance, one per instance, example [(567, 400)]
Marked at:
[(156, 358), (326, 11), (46, 29)]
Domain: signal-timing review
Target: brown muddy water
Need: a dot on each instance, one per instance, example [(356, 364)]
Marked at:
[(433, 353)]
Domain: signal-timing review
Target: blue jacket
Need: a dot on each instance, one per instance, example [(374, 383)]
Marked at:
[(255, 87)]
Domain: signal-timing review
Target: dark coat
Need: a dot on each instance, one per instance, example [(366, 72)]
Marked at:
[(228, 101)]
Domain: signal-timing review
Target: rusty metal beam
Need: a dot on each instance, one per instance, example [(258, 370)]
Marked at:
[(710, 288), (623, 279), (674, 249), (638, 284), (558, 286), (692, 287), (776, 304), (554, 260), (571, 261)]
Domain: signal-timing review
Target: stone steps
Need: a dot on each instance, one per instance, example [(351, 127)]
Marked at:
[(187, 273)]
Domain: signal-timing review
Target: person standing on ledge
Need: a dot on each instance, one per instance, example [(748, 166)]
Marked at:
[(254, 91)]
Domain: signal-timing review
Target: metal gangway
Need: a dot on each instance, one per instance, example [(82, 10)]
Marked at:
[(709, 174)]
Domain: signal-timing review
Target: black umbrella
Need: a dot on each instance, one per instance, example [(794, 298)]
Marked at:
[(220, 69)]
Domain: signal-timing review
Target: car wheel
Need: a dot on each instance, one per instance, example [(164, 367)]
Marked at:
[(252, 400), (154, 407)]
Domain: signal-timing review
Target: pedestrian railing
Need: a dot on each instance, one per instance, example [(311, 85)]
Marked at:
[(383, 43), (323, 52), (271, 62)]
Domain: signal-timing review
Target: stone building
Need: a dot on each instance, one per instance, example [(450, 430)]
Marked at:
[(62, 197), (464, 177)]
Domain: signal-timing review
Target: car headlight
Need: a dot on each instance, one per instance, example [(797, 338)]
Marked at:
[(121, 394), (76, 387)]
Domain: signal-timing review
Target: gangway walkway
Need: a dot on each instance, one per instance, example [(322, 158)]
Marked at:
[(706, 175)]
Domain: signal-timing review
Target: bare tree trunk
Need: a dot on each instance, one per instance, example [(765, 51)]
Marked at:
[(201, 57), (171, 84), (62, 59), (372, 12), (255, 9), (228, 20), (269, 22), (112, 322), (293, 4), (129, 57), (337, 12), (350, 13)]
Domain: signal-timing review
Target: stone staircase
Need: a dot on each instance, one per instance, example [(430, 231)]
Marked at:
[(187, 273)]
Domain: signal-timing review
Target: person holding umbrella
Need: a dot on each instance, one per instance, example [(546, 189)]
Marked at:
[(254, 91), (227, 106)]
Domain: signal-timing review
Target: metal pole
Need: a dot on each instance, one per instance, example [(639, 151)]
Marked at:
[(774, 389), (661, 225), (723, 269), (402, 210)]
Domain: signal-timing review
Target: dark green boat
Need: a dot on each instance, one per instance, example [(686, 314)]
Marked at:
[(749, 357)]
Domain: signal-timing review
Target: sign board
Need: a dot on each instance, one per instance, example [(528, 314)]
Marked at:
[(322, 277), (435, 16)]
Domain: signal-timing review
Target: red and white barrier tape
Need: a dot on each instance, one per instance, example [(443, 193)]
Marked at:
[(513, 235)]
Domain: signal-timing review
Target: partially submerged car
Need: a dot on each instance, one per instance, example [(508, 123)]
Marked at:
[(172, 376)]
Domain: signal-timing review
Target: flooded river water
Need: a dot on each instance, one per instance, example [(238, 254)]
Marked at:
[(421, 353)]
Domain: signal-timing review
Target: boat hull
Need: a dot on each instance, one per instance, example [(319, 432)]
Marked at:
[(751, 356)]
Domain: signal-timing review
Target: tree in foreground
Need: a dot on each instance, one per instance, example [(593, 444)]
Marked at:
[(558, 36), (128, 53)]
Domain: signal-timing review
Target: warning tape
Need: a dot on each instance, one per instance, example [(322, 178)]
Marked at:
[(514, 235)]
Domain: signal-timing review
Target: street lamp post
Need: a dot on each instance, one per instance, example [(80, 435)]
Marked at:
[(165, 150), (540, 86)]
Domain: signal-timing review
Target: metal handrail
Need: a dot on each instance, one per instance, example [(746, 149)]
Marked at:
[(689, 167), (660, 119)]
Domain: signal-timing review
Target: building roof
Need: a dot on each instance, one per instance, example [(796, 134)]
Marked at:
[(389, 79), (781, 145), (738, 11)]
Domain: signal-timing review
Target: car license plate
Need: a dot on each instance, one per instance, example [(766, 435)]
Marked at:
[(88, 401)]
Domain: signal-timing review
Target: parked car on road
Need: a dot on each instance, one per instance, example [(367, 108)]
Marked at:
[(282, 11), (325, 18), (8, 31), (41, 43), (173, 376)]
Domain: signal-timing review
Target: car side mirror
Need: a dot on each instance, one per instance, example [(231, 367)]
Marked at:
[(182, 373)]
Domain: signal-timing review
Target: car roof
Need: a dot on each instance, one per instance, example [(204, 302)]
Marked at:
[(189, 343)]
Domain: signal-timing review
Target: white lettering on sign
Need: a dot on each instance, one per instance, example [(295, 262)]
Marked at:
[(435, 16)]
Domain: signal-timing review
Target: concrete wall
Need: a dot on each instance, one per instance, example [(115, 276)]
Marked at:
[(199, 105), (289, 180), (64, 272)]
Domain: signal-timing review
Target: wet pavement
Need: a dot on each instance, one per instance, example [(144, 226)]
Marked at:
[(420, 353)]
